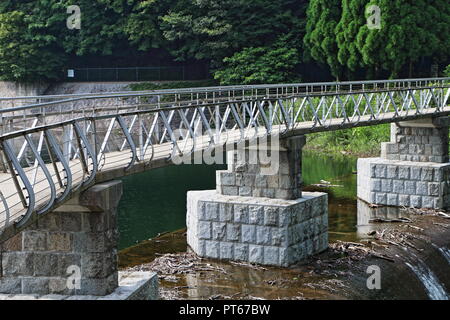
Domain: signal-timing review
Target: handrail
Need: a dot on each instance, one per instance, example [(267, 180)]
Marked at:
[(146, 94)]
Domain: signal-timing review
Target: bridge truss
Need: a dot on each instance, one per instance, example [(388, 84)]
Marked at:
[(55, 146)]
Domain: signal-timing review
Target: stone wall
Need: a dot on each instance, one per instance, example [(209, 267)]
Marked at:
[(404, 183), (82, 233), (249, 176), (17, 89), (257, 230), (417, 141)]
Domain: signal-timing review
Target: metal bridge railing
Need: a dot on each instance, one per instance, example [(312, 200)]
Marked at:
[(50, 160), (22, 112)]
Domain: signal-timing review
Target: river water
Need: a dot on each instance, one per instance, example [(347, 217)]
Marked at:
[(154, 207), (155, 201)]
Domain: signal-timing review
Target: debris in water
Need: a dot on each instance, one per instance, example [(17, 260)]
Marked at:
[(441, 224), (248, 265), (385, 220), (358, 251), (326, 184), (330, 285), (444, 215), (384, 257), (425, 211), (182, 263), (414, 227)]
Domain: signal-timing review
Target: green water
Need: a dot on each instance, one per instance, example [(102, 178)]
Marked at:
[(155, 201)]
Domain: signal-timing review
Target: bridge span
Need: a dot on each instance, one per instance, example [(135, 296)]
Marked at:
[(56, 147)]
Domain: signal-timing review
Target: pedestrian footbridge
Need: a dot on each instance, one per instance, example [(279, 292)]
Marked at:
[(54, 148)]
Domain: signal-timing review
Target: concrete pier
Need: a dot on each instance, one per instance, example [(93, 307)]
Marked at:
[(413, 170), (258, 213)]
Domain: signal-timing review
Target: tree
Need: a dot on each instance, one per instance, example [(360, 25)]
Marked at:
[(102, 28), (409, 31), (140, 20), (260, 65), (320, 39), (213, 29), (207, 30), (36, 43), (352, 19), (25, 53)]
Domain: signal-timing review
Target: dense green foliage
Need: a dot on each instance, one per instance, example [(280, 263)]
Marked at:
[(359, 141), (242, 41), (259, 65), (410, 31), (447, 71), (26, 56), (215, 29), (35, 42), (347, 29), (320, 39)]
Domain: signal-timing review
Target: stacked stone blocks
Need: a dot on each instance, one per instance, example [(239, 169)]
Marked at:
[(404, 183), (247, 176), (414, 167), (133, 285), (257, 230), (258, 213), (36, 261), (418, 144)]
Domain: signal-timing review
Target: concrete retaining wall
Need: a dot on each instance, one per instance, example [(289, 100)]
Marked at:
[(16, 89)]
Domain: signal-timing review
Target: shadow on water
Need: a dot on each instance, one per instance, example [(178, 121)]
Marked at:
[(338, 171), (154, 202)]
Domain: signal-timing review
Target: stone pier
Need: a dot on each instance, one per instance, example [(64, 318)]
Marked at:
[(258, 212), (413, 170), (71, 254), (78, 238)]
